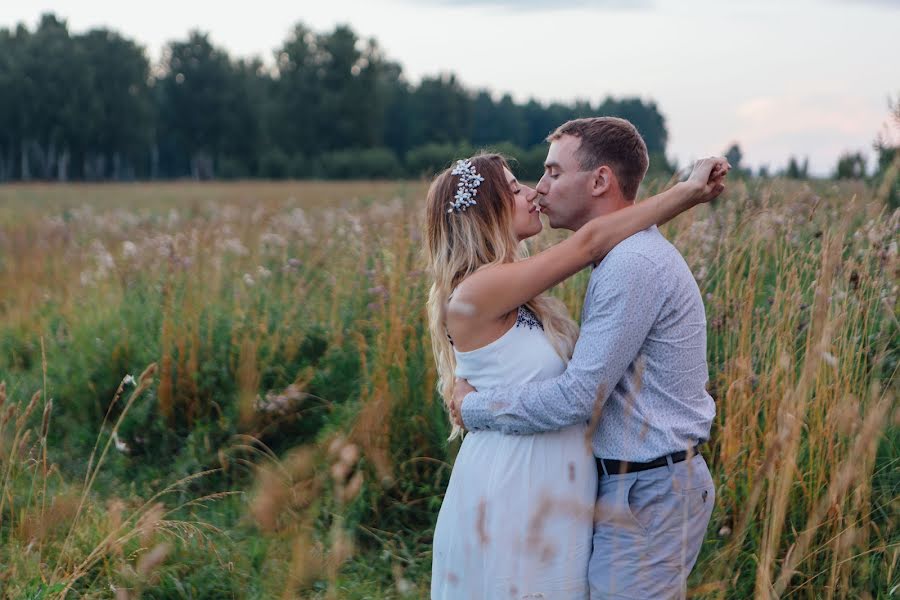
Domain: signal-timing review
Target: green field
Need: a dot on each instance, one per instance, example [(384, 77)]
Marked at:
[(286, 440)]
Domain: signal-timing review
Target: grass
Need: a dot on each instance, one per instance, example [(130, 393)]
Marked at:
[(288, 442)]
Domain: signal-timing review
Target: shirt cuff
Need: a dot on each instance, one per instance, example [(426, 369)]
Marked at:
[(475, 412)]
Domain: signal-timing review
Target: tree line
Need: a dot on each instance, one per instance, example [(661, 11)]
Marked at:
[(93, 107)]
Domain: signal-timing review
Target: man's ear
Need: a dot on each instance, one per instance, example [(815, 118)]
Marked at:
[(601, 180)]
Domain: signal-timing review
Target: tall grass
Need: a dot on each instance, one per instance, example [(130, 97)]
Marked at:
[(287, 322)]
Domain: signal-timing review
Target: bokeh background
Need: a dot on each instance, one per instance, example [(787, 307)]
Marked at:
[(94, 90)]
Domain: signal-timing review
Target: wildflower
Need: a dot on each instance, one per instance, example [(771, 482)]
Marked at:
[(233, 246), (104, 258), (120, 445), (272, 240), (86, 278), (129, 380), (404, 586), (297, 222), (129, 249)]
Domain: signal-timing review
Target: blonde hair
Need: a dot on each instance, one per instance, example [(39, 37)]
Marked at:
[(459, 243)]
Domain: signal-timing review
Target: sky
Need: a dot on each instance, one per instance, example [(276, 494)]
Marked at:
[(780, 77)]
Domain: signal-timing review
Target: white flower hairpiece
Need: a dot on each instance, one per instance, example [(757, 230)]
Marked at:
[(467, 188)]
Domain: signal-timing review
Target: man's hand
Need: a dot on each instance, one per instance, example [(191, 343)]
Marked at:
[(707, 179), (461, 388)]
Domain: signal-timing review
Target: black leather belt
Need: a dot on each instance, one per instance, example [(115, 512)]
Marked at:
[(618, 467)]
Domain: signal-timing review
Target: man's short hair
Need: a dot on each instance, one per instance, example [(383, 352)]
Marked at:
[(609, 141)]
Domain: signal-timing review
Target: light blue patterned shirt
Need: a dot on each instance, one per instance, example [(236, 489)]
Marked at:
[(641, 355)]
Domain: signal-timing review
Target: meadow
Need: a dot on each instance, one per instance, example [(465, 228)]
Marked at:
[(227, 390)]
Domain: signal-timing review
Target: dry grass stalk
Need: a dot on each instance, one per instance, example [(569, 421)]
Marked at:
[(790, 377)]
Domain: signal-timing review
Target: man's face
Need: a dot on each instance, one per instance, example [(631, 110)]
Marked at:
[(565, 188)]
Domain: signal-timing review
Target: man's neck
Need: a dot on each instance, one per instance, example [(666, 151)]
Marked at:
[(605, 207), (602, 207)]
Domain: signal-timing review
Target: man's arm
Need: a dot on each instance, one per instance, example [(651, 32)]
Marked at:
[(624, 304)]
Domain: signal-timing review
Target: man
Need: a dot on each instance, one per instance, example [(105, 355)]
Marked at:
[(638, 372)]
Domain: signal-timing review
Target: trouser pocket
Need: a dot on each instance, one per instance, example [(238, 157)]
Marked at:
[(627, 503)]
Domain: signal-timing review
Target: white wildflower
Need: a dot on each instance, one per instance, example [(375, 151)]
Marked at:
[(404, 587), (120, 445), (104, 259), (129, 249), (296, 222), (355, 224), (233, 246), (272, 240)]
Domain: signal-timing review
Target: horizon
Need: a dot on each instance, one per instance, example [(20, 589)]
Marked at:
[(799, 96)]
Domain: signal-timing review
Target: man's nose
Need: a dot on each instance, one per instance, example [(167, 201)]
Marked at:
[(543, 186)]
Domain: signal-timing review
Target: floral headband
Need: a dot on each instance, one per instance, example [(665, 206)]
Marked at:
[(467, 188)]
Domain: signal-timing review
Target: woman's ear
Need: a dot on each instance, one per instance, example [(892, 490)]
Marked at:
[(601, 180)]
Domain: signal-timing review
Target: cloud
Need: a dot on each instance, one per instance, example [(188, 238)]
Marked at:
[(823, 125), (846, 115)]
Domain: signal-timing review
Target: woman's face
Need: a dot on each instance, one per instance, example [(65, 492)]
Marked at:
[(526, 217)]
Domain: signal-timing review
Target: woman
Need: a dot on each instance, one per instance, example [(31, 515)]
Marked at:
[(516, 521)]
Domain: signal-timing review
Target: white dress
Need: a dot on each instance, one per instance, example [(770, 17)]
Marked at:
[(516, 521)]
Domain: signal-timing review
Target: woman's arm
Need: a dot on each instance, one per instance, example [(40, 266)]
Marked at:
[(494, 291)]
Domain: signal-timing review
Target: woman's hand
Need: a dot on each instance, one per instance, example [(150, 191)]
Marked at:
[(460, 389), (707, 179)]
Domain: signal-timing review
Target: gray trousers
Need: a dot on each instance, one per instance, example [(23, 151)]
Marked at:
[(648, 530)]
